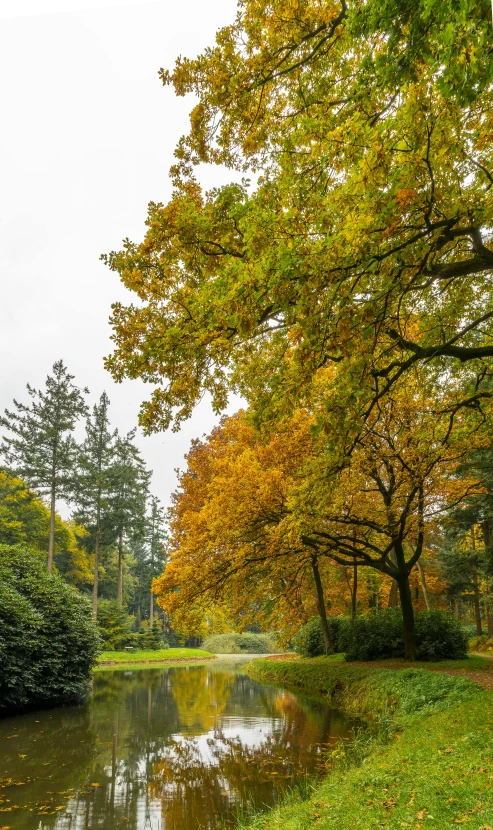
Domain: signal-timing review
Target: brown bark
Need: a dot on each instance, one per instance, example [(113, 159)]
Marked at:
[(422, 578), (407, 618), (354, 591), (321, 605), (456, 608), (475, 582)]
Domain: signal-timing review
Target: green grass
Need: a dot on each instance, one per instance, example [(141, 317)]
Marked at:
[(425, 761), (167, 655)]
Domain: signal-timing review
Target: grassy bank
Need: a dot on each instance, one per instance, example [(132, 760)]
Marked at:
[(168, 655), (429, 753)]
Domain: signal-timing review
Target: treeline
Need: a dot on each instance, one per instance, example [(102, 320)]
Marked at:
[(114, 544)]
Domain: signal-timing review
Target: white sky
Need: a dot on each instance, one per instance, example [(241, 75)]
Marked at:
[(87, 139)]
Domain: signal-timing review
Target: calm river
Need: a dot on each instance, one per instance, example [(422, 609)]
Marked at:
[(167, 749)]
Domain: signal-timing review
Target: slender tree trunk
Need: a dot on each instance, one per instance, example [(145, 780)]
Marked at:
[(321, 606), (151, 610), (456, 608), (96, 575), (354, 591), (120, 570), (475, 582), (422, 578), (51, 541), (407, 618)]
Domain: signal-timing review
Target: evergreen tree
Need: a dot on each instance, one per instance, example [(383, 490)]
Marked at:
[(129, 488), (156, 539), (93, 484), (40, 446)]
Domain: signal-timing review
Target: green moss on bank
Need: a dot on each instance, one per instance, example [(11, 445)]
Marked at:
[(435, 770)]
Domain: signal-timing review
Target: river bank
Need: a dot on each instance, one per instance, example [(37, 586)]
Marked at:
[(426, 760), (115, 659)]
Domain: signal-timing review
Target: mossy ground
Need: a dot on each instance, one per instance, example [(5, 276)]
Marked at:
[(429, 749), (168, 655)]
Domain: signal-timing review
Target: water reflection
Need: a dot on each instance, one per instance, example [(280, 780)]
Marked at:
[(161, 748)]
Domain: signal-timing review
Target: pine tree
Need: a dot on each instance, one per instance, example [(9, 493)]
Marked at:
[(157, 537), (93, 484), (129, 489), (40, 446)]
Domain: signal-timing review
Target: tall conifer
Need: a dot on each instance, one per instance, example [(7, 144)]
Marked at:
[(40, 446), (93, 485), (129, 490)]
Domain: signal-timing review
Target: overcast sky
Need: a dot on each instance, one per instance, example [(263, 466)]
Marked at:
[(87, 140)]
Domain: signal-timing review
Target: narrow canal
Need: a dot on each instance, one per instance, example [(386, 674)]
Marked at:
[(167, 749)]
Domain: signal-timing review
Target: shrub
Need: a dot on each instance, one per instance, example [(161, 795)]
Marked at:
[(481, 644), (381, 635), (115, 625), (439, 636), (309, 641), (245, 643), (48, 640)]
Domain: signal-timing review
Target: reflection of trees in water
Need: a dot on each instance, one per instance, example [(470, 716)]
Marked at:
[(200, 786), (201, 696), (128, 736)]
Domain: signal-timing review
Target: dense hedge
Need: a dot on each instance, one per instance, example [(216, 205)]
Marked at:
[(380, 635), (48, 641), (239, 644)]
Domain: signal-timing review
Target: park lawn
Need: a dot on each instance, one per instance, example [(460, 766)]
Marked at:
[(426, 760), (165, 655)]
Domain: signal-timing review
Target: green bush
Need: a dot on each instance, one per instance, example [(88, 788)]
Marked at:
[(381, 635), (115, 625), (439, 636), (48, 640), (245, 643), (309, 641)]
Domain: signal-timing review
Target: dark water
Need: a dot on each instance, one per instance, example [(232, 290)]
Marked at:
[(169, 749)]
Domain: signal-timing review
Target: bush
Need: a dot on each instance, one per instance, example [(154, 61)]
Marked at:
[(115, 626), (381, 635), (309, 641), (245, 643), (48, 640), (440, 636), (481, 644)]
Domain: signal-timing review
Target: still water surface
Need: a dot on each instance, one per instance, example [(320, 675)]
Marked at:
[(167, 749)]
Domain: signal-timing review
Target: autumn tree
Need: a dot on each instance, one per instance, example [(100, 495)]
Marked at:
[(364, 243), (39, 444), (230, 547), (94, 479)]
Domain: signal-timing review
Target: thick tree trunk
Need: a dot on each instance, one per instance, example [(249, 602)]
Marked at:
[(96, 576), (407, 618), (489, 616), (394, 595), (422, 578), (321, 606), (120, 570), (354, 591), (475, 582), (51, 541)]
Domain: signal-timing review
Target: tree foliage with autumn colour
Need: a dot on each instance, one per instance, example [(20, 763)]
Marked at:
[(363, 243)]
